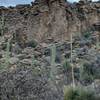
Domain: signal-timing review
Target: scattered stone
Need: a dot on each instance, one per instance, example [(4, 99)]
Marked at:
[(13, 60), (26, 62)]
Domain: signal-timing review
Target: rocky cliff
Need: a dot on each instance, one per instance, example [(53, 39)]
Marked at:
[(53, 19)]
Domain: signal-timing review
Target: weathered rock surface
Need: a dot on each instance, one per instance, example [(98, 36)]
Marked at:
[(55, 19)]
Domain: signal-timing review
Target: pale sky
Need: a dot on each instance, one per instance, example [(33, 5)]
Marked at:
[(14, 2)]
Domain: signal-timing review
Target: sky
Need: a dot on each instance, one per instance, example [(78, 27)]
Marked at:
[(14, 2)]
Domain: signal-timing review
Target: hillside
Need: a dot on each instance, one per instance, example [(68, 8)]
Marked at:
[(48, 45)]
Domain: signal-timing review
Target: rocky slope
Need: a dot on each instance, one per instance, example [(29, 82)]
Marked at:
[(35, 49)]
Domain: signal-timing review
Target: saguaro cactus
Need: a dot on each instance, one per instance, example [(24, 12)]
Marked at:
[(2, 24)]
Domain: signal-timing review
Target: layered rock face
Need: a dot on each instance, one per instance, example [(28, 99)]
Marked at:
[(54, 19)]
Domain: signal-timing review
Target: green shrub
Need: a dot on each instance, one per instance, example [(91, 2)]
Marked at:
[(78, 94), (86, 73), (32, 44), (66, 65), (76, 73), (86, 34), (87, 79)]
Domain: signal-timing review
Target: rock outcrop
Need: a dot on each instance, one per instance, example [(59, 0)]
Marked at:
[(54, 19)]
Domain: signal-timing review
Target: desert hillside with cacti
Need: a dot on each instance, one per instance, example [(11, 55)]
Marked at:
[(50, 50)]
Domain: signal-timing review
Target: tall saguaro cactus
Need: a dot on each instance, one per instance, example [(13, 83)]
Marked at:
[(7, 56), (2, 24), (53, 57)]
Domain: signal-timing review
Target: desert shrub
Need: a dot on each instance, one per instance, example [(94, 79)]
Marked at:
[(86, 73), (96, 72), (86, 79), (66, 65), (76, 73), (87, 68), (89, 71), (1, 66), (78, 94), (86, 34), (32, 43)]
